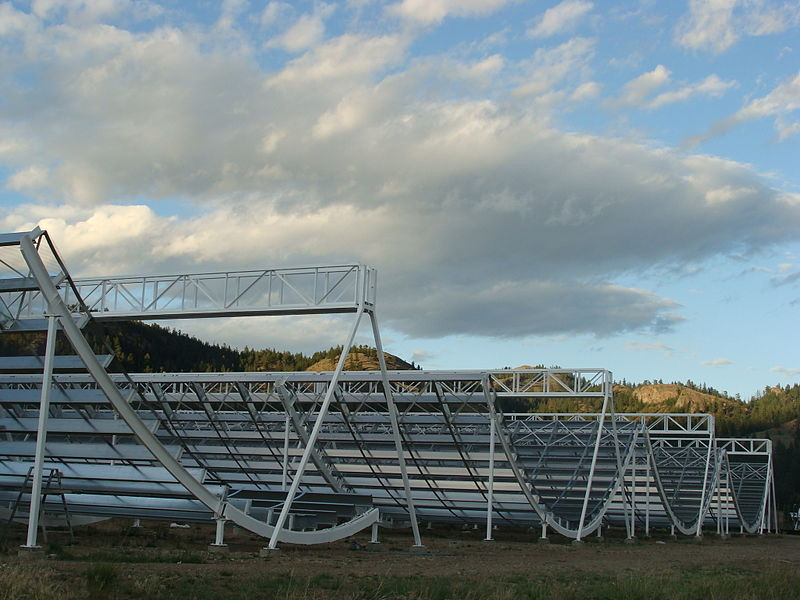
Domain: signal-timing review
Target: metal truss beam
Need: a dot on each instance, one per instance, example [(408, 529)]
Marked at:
[(308, 290)]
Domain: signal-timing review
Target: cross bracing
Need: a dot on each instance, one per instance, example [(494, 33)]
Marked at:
[(313, 457), (446, 442)]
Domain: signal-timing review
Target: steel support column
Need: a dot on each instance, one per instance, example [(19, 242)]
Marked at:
[(41, 434), (285, 471), (393, 417), (491, 482), (590, 479), (701, 513), (312, 438), (647, 498)]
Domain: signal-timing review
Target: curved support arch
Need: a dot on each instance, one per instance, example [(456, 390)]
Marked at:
[(749, 484), (563, 526), (687, 519), (57, 307)]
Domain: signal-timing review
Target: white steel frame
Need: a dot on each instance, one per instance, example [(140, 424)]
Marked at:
[(404, 406)]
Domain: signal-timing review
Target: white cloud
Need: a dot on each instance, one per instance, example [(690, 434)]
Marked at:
[(561, 18), (708, 26), (483, 70), (550, 66), (482, 215), (787, 371), (32, 178), (344, 58), (273, 12), (297, 333), (782, 102), (767, 18), (710, 87), (307, 31), (716, 25), (586, 91), (429, 12), (717, 362), (636, 90)]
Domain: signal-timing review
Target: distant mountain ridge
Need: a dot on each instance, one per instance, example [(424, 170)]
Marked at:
[(677, 396)]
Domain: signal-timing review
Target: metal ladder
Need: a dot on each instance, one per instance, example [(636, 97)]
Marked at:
[(51, 487)]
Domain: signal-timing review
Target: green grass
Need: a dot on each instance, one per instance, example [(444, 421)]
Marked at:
[(100, 580), (128, 555), (104, 580)]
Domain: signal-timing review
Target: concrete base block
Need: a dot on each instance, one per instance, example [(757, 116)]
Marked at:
[(543, 540), (30, 552), (268, 552), (577, 542), (630, 540), (422, 548), (218, 548)]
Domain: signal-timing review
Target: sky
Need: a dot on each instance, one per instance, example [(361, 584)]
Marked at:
[(576, 183)]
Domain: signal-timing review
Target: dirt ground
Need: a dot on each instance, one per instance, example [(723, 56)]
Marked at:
[(450, 551)]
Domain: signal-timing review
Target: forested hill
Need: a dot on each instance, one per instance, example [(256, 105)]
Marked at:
[(773, 413), (145, 348)]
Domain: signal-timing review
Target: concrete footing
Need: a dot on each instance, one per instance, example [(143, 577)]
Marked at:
[(543, 540), (30, 552), (218, 548), (422, 548), (268, 552)]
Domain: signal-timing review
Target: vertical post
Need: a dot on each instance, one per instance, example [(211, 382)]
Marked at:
[(719, 505), (219, 538), (312, 438), (766, 496), (633, 499), (701, 513), (489, 498), (728, 504), (398, 443), (41, 434), (647, 498), (589, 481), (285, 474), (774, 501), (374, 538)]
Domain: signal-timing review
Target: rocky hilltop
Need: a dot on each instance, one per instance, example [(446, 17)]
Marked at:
[(672, 396), (360, 359)]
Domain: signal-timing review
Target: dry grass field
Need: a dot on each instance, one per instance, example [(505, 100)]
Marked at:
[(114, 562)]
